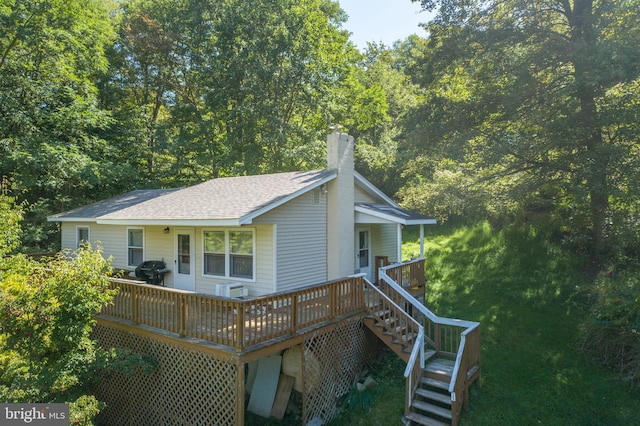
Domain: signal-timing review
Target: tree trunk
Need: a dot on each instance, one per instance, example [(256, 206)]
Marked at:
[(596, 163)]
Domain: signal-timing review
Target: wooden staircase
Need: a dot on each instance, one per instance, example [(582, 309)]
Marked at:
[(432, 400), (431, 404)]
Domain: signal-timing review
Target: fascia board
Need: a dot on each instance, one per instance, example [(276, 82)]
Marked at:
[(71, 219), (371, 188), (394, 219), (170, 222)]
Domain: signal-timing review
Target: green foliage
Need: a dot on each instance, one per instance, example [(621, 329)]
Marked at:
[(518, 284), (47, 311), (218, 88), (50, 56), (10, 218), (528, 105), (46, 314), (611, 333), (83, 410)]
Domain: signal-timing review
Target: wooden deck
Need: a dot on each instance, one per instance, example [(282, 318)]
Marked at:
[(246, 329), (235, 323)]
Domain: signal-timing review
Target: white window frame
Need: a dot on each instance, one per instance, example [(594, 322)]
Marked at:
[(129, 228), (78, 240), (227, 254)]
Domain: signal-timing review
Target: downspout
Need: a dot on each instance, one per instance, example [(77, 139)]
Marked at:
[(421, 241)]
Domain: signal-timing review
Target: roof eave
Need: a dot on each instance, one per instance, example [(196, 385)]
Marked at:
[(171, 222), (70, 219), (393, 218)]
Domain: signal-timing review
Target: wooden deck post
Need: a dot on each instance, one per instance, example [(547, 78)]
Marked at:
[(294, 314), (333, 300), (240, 394), (240, 327), (183, 316), (135, 305)]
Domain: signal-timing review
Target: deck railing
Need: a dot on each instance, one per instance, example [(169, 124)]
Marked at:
[(244, 323), (409, 275), (235, 322)]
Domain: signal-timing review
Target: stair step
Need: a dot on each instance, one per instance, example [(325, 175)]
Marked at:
[(381, 314), (424, 420), (405, 339), (388, 322), (434, 396), (439, 384), (395, 331), (443, 367), (433, 409), (429, 354)]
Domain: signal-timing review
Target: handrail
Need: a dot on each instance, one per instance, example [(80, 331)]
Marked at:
[(418, 349), (459, 355), (411, 373)]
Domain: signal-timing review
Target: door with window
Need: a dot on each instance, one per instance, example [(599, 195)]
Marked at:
[(184, 263), (363, 252)]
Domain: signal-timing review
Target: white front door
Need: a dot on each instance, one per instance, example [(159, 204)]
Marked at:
[(363, 252), (184, 263)]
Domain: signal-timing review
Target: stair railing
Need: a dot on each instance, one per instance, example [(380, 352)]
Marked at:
[(415, 364), (442, 334), (413, 371), (380, 307)]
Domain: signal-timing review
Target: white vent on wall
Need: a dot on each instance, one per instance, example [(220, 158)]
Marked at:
[(231, 290)]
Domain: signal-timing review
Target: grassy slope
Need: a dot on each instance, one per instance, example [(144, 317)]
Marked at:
[(518, 286)]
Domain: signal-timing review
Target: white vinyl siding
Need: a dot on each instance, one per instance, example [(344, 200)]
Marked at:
[(383, 241), (363, 197), (301, 241)]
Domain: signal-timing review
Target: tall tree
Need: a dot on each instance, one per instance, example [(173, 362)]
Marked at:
[(520, 95), (228, 87), (50, 55)]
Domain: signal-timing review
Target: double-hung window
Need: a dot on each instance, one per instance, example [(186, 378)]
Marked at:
[(82, 235), (214, 253), (229, 253), (135, 246)]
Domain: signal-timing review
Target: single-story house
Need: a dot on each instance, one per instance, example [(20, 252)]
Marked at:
[(254, 235)]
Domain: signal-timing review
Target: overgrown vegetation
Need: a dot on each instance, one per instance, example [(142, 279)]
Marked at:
[(528, 293), (611, 333), (47, 311)]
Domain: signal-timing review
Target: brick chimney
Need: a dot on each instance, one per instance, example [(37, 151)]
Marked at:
[(340, 207)]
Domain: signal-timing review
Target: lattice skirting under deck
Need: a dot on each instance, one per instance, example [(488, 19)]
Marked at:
[(190, 387), (332, 364), (187, 387)]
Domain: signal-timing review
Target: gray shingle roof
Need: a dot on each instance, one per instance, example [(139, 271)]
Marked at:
[(113, 204), (216, 199)]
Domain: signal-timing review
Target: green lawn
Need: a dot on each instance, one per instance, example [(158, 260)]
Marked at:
[(519, 287)]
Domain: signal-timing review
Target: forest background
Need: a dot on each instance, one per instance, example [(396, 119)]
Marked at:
[(512, 112)]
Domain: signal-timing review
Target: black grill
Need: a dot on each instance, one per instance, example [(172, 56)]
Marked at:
[(152, 271)]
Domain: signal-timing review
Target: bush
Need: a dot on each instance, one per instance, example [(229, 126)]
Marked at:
[(611, 334)]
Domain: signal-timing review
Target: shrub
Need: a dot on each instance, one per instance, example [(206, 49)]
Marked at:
[(611, 334)]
